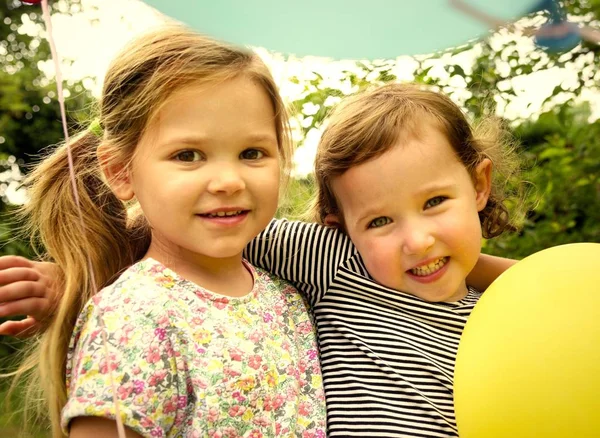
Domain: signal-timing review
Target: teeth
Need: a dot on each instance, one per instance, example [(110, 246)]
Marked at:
[(429, 269), (224, 213)]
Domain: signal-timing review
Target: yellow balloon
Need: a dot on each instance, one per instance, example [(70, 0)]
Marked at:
[(528, 363)]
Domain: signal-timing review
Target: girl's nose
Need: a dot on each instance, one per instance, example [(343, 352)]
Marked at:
[(417, 240), (226, 180)]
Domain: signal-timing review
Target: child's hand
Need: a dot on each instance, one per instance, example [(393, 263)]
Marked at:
[(25, 289)]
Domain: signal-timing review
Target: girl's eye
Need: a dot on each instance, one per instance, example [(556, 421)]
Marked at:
[(252, 154), (435, 201), (379, 222), (188, 156)]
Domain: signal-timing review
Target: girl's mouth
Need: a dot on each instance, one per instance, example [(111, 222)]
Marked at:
[(430, 268), (224, 213)]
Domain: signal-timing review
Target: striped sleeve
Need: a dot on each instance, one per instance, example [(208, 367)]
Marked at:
[(307, 255)]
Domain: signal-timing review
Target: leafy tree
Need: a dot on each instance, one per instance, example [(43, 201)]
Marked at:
[(29, 115)]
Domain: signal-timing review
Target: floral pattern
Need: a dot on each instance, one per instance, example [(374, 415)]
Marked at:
[(187, 362)]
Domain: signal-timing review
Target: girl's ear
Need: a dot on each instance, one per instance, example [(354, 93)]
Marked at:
[(483, 183), (117, 175)]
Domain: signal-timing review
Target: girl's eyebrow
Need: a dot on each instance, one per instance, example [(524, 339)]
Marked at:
[(199, 140), (436, 187), (371, 211)]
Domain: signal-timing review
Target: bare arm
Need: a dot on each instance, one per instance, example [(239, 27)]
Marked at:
[(97, 427), (487, 269)]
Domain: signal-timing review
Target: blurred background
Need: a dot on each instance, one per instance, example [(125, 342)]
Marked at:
[(551, 102)]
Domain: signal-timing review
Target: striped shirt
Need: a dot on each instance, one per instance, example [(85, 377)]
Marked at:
[(387, 356)]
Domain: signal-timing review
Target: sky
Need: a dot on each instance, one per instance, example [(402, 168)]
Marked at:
[(91, 39)]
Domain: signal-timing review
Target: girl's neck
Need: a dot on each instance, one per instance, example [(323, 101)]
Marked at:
[(225, 276)]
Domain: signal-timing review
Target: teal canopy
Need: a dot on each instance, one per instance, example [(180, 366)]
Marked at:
[(343, 29)]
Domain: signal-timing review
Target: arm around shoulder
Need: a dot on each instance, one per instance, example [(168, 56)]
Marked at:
[(487, 269)]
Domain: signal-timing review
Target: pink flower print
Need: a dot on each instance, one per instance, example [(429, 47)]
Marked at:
[(261, 421), (304, 409), (268, 404), (163, 320), (255, 361), (146, 422), (236, 411), (292, 393), (170, 406), (157, 377), (213, 415), (153, 354), (230, 432), (312, 354), (104, 364), (160, 333), (304, 328), (291, 370), (302, 364), (215, 434), (136, 370), (237, 395), (255, 337), (200, 383), (255, 434), (138, 386), (124, 391), (320, 434), (157, 431), (235, 354), (181, 401), (230, 372), (278, 401), (267, 317), (221, 303)]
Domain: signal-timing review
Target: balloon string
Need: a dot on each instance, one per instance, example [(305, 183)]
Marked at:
[(63, 115)]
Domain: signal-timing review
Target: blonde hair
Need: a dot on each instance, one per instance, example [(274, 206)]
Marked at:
[(138, 83), (369, 124)]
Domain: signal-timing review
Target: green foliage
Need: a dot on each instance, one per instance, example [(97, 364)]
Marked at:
[(562, 150)]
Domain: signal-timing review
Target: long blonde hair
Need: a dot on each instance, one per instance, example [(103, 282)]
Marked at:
[(365, 126), (138, 83)]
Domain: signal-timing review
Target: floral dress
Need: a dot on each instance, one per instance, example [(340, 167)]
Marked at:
[(187, 362)]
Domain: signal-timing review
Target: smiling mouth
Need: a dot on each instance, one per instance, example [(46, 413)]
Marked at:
[(431, 268), (224, 213)]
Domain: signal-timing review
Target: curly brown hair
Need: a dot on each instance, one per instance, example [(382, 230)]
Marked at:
[(370, 123)]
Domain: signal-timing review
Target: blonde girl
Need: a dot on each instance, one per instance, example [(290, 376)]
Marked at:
[(200, 343)]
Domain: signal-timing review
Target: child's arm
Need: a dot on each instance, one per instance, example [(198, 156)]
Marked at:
[(96, 427), (26, 288), (487, 269), (306, 254)]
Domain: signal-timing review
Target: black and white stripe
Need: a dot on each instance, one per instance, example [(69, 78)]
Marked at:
[(387, 357)]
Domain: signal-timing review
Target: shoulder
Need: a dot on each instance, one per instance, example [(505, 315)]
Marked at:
[(266, 279), (143, 286), (143, 296)]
